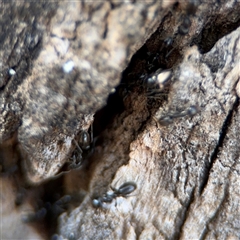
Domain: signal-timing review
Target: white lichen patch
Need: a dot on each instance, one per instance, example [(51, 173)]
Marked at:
[(68, 66)]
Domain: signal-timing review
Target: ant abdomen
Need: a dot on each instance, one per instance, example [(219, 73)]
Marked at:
[(126, 189)]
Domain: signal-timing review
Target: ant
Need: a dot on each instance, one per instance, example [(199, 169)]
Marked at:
[(157, 82), (185, 25), (47, 210), (123, 191), (166, 120), (82, 146)]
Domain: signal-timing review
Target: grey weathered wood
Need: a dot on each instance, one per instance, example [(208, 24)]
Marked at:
[(46, 104), (187, 173), (183, 171)]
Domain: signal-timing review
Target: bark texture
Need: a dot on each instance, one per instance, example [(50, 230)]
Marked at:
[(60, 61), (67, 56)]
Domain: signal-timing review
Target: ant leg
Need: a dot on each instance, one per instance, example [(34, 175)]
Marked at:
[(91, 133), (169, 53), (92, 139), (81, 151)]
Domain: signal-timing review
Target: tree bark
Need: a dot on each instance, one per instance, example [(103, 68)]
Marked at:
[(177, 140)]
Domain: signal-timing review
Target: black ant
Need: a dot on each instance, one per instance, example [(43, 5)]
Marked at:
[(166, 120), (185, 25), (49, 209), (157, 81), (183, 28), (82, 146), (123, 191)]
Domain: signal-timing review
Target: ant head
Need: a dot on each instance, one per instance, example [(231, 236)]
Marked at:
[(96, 202)]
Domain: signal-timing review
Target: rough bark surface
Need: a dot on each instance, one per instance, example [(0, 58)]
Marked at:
[(60, 61), (67, 56)]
